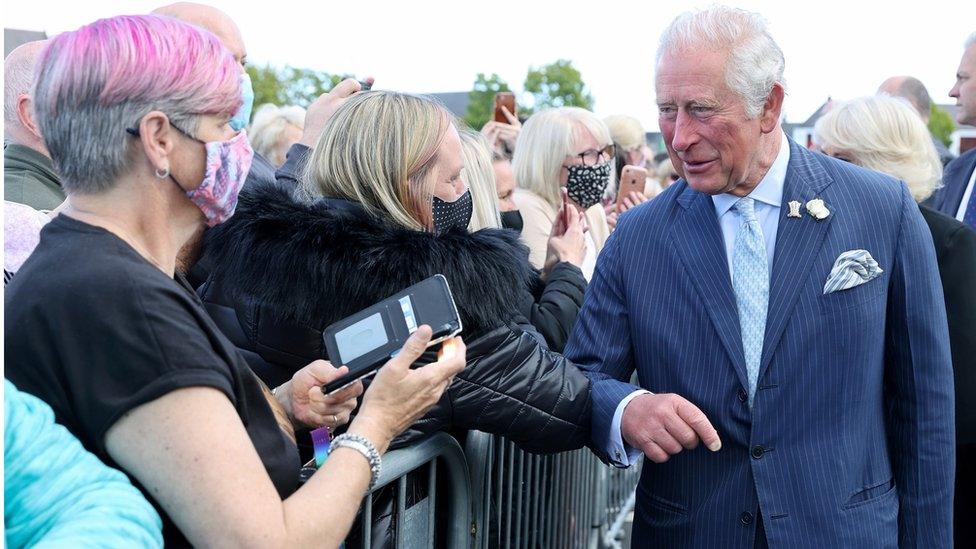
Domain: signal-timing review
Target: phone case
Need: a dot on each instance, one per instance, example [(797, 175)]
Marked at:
[(428, 302)]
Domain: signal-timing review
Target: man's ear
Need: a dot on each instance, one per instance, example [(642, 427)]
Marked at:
[(772, 109), (25, 114), (157, 138)]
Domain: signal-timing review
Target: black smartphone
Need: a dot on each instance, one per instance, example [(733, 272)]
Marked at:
[(366, 340)]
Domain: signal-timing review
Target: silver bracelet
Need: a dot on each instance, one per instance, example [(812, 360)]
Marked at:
[(362, 445)]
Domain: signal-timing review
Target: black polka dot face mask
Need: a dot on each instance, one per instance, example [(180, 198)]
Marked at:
[(448, 215), (585, 184)]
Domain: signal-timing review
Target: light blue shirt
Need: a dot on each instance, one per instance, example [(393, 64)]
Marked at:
[(768, 195)]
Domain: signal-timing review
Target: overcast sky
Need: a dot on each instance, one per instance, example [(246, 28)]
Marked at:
[(833, 48)]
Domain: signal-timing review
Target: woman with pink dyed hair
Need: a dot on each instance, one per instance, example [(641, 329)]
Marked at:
[(135, 112)]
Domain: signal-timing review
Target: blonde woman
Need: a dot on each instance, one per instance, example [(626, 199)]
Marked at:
[(566, 150), (551, 308), (480, 177), (392, 209), (275, 129), (885, 134)]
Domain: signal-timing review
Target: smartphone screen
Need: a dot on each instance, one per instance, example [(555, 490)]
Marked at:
[(361, 338)]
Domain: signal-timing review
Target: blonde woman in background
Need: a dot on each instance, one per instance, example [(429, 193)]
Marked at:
[(630, 140), (885, 134), (563, 155), (275, 129), (480, 177), (553, 306)]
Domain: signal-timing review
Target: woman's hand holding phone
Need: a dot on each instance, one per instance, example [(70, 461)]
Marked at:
[(567, 241), (399, 395)]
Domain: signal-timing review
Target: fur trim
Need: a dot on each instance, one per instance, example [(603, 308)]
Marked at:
[(318, 263)]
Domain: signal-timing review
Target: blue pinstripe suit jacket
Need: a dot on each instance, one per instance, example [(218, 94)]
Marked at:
[(854, 408)]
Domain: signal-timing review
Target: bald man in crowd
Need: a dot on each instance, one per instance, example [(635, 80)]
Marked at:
[(28, 174), (912, 89), (222, 26)]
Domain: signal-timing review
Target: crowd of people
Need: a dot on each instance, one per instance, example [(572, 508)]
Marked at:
[(171, 261)]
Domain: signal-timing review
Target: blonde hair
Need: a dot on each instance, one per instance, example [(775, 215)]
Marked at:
[(268, 127), (626, 131), (544, 143), (885, 134), (480, 177), (376, 150), (663, 173)]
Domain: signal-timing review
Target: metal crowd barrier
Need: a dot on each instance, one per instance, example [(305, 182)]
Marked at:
[(501, 497), (423, 524)]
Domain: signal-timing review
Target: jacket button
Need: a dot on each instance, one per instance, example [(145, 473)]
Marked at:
[(746, 518), (743, 397), (757, 452)]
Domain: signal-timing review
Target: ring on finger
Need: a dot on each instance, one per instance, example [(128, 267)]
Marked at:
[(335, 421)]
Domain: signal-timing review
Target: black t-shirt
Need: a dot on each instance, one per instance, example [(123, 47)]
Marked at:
[(95, 330)]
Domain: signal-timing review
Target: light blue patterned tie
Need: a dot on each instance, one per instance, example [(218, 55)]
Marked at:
[(750, 280)]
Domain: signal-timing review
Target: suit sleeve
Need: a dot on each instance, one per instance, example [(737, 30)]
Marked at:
[(918, 384), (601, 346)]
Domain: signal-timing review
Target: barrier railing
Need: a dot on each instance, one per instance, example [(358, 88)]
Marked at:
[(421, 524), (496, 496)]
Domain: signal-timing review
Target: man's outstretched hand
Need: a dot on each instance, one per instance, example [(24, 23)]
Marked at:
[(663, 425)]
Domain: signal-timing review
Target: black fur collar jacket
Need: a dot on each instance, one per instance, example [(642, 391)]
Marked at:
[(282, 270)]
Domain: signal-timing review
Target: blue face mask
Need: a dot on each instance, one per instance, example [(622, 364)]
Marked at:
[(243, 116)]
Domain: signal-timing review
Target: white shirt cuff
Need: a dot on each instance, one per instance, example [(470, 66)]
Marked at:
[(623, 455)]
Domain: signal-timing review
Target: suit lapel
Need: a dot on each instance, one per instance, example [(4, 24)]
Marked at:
[(798, 242), (698, 239)]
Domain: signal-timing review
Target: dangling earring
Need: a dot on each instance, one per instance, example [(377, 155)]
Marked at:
[(162, 173)]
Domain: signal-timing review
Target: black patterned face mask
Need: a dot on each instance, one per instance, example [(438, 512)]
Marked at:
[(448, 215), (585, 184)]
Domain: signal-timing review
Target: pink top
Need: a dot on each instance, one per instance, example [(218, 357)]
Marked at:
[(21, 232)]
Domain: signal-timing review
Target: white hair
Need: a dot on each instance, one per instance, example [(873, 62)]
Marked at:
[(268, 127), (755, 62), (545, 141), (885, 134)]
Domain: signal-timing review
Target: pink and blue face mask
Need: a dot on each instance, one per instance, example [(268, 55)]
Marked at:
[(227, 165)]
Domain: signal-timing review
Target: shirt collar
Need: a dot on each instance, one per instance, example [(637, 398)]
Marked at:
[(770, 188)]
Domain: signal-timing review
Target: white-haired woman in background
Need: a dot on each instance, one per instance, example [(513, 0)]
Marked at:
[(563, 148), (885, 134), (275, 129)]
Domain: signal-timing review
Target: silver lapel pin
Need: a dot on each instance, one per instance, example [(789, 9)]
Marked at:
[(794, 209)]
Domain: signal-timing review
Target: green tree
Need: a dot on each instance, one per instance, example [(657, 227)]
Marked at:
[(481, 99), (557, 84), (941, 124), (289, 85)]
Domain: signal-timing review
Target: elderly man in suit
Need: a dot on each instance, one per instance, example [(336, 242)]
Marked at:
[(957, 198), (782, 308)]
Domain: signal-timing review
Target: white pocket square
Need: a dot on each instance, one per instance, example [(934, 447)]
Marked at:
[(852, 268)]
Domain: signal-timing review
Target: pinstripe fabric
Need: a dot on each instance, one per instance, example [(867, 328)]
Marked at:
[(854, 406)]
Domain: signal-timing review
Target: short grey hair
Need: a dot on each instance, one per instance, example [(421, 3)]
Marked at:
[(755, 62), (18, 73)]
